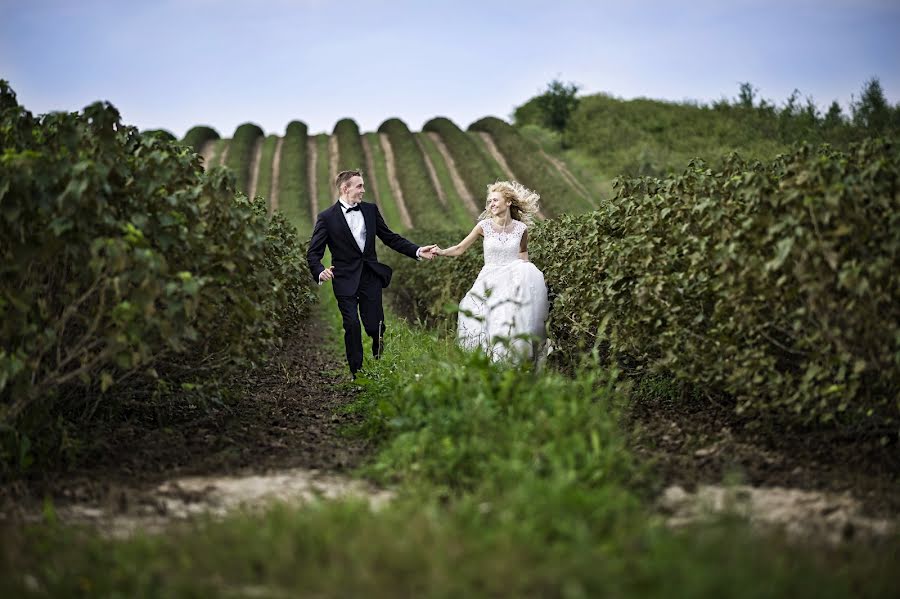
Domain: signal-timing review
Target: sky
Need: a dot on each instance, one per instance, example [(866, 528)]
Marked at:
[(173, 64)]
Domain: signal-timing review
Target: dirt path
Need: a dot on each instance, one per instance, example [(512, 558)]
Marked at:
[(312, 151), (370, 172), (254, 167), (432, 174), (458, 183), (334, 157), (566, 174), (276, 174), (207, 152), (224, 155), (392, 179), (282, 440)]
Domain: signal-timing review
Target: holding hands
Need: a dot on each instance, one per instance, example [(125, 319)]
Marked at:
[(428, 252)]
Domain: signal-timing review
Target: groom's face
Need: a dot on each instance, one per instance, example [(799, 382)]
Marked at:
[(355, 190)]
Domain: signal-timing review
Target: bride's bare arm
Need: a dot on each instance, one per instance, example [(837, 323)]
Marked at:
[(463, 245), (523, 247)]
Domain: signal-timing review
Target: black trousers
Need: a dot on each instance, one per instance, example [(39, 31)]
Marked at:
[(365, 304)]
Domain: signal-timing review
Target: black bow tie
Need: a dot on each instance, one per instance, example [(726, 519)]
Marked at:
[(352, 208)]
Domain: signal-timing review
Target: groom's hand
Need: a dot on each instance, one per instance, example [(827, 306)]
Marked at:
[(326, 275), (428, 251)]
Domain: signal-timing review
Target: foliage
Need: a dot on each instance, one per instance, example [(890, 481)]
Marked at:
[(552, 109), (388, 203), (533, 169), (350, 150), (474, 167), (293, 178), (418, 191), (197, 137), (240, 154), (160, 133), (129, 275), (266, 159), (775, 283), (457, 210)]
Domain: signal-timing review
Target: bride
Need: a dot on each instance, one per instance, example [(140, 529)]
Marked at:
[(504, 311)]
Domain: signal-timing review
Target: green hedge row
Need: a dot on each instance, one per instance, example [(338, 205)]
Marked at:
[(130, 278), (293, 178), (197, 137), (773, 283), (266, 159), (240, 153), (476, 170), (458, 210), (534, 171), (162, 134), (418, 191), (350, 150)]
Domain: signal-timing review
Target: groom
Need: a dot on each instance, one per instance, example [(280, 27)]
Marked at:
[(349, 228)]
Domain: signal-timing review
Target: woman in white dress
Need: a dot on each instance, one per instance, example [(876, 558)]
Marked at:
[(505, 310)]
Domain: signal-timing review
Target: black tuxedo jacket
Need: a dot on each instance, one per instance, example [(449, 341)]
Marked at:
[(332, 230)]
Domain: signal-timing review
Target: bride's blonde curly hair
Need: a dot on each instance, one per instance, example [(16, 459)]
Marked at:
[(523, 203)]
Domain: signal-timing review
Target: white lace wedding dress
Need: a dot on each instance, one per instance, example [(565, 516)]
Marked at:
[(505, 310)]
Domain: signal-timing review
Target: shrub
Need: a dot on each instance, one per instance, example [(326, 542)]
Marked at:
[(418, 192), (475, 169), (532, 169), (160, 133), (129, 275), (775, 283), (293, 178), (240, 154), (350, 150), (197, 137)]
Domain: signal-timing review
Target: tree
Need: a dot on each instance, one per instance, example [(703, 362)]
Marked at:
[(872, 111), (557, 104)]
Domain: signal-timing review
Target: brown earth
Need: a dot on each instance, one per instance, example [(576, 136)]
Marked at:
[(291, 418), (700, 442)]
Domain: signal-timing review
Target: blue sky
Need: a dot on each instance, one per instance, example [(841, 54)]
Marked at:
[(177, 63)]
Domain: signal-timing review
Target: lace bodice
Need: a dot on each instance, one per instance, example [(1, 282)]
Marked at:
[(501, 247)]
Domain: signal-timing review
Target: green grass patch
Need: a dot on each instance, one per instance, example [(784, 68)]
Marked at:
[(325, 191), (510, 483)]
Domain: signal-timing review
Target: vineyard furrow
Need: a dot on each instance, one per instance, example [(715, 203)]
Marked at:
[(224, 155), (334, 158), (496, 155), (566, 174), (465, 194), (393, 181), (313, 158), (370, 173), (442, 197), (254, 168), (208, 151), (276, 174)]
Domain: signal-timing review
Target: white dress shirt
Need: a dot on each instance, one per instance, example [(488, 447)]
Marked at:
[(356, 222)]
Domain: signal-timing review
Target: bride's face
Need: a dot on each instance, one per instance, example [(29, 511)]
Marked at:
[(496, 205)]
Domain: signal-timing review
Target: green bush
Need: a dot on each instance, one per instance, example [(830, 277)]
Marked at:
[(129, 275), (532, 169), (775, 283), (350, 150), (293, 178), (475, 169), (266, 159), (160, 133), (197, 137), (240, 154), (418, 192)]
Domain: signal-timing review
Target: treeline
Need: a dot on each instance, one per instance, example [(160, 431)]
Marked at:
[(653, 137), (131, 279)]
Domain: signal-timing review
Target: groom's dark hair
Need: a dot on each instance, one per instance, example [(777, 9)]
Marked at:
[(344, 176)]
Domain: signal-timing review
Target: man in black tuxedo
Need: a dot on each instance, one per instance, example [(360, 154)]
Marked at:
[(349, 228)]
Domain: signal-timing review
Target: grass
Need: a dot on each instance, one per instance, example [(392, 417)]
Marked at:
[(264, 183), (293, 179), (510, 483), (475, 164), (457, 215)]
